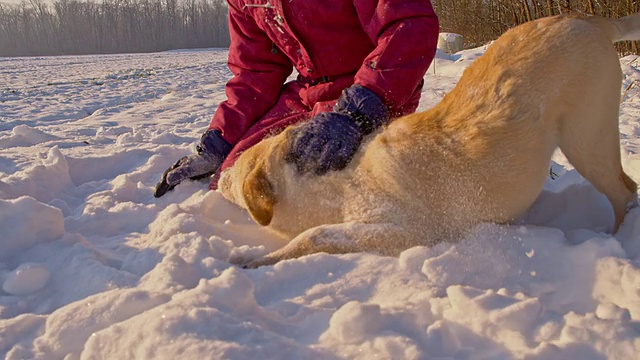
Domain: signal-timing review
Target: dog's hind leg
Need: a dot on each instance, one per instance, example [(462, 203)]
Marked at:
[(385, 239), (590, 140)]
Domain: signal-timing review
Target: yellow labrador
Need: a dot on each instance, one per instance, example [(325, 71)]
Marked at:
[(482, 154)]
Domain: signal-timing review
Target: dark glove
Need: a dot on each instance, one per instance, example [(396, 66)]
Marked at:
[(210, 153), (329, 140)]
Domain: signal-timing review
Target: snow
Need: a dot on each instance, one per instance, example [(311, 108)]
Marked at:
[(449, 37), (92, 266), (26, 279)]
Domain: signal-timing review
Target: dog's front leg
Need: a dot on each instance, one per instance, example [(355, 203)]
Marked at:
[(385, 239)]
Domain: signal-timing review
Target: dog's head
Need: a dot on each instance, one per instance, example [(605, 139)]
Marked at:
[(252, 182)]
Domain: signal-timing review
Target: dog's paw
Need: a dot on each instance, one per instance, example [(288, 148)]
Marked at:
[(263, 261), (238, 261), (252, 263), (245, 256)]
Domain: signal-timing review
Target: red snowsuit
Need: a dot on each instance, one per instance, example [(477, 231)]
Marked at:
[(384, 45)]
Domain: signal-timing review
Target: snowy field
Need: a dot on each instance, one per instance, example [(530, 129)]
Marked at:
[(92, 266)]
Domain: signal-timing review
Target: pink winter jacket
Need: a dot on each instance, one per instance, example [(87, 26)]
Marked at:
[(384, 45)]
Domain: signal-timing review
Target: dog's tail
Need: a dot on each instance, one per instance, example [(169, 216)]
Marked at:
[(625, 28)]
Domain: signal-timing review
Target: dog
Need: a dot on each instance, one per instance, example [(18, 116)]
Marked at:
[(481, 155)]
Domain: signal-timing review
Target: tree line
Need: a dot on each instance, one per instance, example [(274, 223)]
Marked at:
[(68, 27), (120, 26), (480, 21)]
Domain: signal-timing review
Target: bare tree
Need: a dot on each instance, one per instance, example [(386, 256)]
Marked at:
[(111, 26), (480, 21)]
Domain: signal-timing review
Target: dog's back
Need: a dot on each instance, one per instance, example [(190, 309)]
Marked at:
[(483, 153)]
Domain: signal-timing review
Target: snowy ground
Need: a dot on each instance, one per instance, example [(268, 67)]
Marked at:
[(92, 266)]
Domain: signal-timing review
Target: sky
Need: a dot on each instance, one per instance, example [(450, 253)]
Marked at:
[(92, 266)]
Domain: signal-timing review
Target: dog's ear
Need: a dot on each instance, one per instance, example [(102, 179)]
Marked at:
[(259, 196)]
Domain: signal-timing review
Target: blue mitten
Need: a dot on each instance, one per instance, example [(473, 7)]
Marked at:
[(329, 140), (210, 153)]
